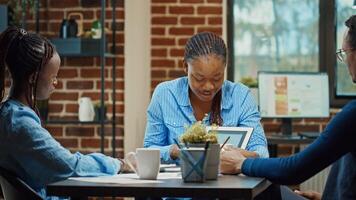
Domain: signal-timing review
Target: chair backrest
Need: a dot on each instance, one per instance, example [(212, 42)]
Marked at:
[(13, 188)]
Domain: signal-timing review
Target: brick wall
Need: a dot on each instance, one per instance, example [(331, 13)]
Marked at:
[(173, 22), (79, 77)]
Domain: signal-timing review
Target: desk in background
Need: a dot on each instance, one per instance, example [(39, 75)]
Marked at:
[(300, 139), (227, 186)]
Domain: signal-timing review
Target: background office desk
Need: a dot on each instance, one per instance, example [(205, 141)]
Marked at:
[(229, 186), (274, 140)]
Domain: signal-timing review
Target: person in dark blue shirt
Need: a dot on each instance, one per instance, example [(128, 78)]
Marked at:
[(337, 145)]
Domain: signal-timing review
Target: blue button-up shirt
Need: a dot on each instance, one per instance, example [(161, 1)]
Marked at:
[(170, 111), (28, 150)]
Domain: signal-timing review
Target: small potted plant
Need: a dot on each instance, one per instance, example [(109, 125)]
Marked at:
[(252, 83), (196, 135)]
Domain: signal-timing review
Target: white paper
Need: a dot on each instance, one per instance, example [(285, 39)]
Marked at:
[(127, 178)]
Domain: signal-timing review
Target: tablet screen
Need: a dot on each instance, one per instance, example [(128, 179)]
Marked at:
[(236, 137), (239, 136)]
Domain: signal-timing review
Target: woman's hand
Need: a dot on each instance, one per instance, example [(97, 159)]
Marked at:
[(129, 164), (248, 154), (309, 194), (231, 160), (174, 151)]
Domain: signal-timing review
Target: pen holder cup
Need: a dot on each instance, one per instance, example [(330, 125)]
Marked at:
[(194, 164)]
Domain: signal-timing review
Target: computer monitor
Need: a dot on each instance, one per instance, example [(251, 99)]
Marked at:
[(289, 95)]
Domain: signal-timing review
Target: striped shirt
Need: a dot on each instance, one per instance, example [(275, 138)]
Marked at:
[(170, 111), (28, 150)]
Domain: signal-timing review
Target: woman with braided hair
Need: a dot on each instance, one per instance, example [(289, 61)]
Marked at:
[(185, 100), (26, 148)]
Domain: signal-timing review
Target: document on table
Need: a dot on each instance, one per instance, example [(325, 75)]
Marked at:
[(128, 178)]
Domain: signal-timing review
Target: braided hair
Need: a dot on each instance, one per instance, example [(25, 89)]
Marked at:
[(24, 54), (203, 44), (351, 34)]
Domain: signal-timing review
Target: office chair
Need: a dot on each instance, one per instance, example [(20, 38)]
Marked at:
[(13, 188)]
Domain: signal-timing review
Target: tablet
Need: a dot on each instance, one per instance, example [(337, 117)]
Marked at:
[(239, 136)]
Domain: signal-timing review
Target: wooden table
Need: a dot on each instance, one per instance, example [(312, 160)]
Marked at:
[(227, 186)]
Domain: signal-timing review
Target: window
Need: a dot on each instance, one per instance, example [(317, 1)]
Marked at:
[(273, 35), (290, 35), (344, 88)]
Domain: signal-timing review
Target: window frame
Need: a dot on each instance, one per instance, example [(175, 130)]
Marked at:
[(327, 49)]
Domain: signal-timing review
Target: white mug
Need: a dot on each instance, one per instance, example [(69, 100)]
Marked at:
[(86, 110), (148, 162)]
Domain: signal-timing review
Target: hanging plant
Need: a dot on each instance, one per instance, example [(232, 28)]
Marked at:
[(17, 8)]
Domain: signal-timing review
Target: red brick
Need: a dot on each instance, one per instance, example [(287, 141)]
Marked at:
[(95, 96), (181, 31), (68, 142), (119, 131), (192, 1), (162, 63), (158, 9), (55, 131), (119, 73), (215, 10), (159, 52), (71, 108), (93, 143), (67, 73), (176, 52), (214, 1), (80, 85), (176, 73), (158, 31), (163, 41), (163, 1), (53, 15), (215, 20), (119, 84), (59, 84), (317, 120), (55, 108), (119, 108), (63, 3), (271, 128), (87, 13), (119, 96), (192, 20), (79, 131), (62, 96), (180, 63), (158, 73), (217, 31), (92, 73), (164, 20), (85, 61), (154, 83), (181, 10), (307, 128), (54, 27), (182, 41), (119, 143)]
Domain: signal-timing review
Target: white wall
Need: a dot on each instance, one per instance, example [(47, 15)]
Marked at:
[(137, 71)]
